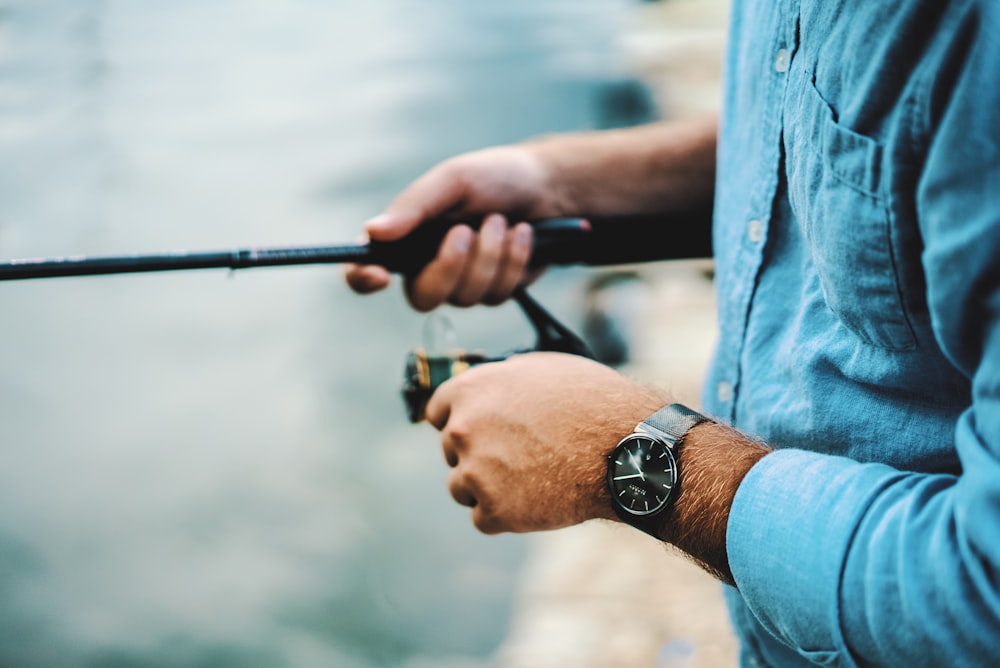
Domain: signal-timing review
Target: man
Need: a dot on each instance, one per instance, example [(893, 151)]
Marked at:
[(847, 483)]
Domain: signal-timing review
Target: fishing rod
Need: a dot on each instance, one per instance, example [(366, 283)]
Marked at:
[(557, 241)]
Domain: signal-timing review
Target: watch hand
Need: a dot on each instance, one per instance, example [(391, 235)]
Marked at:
[(626, 477), (637, 465)]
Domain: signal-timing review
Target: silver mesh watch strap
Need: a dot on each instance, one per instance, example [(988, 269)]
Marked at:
[(671, 422)]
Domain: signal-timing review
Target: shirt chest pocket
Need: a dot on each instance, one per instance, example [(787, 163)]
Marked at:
[(834, 190)]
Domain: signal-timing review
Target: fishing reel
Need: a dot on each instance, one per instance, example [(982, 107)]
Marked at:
[(430, 366)]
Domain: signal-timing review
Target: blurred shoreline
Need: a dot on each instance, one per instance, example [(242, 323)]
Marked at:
[(578, 594)]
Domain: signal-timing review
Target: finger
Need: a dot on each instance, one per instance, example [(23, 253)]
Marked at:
[(450, 452), (485, 515), (485, 521), (460, 491), (366, 278), (434, 194), (432, 286), (437, 412), (391, 225), (484, 261), (512, 269), (429, 196)]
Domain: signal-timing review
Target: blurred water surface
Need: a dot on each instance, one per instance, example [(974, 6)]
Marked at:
[(203, 468)]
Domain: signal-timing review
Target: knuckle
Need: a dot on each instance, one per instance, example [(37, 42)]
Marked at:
[(455, 485), (475, 481), (463, 300), (456, 174), (450, 456), (421, 304), (420, 299), (457, 433), (494, 298), (486, 521)]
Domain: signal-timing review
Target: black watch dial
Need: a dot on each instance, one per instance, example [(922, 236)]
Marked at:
[(642, 474)]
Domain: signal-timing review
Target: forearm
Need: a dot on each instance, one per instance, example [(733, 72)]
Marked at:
[(659, 167)]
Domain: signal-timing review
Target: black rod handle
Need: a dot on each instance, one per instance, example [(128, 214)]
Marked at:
[(566, 241)]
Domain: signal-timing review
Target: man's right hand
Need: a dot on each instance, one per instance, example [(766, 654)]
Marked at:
[(502, 186)]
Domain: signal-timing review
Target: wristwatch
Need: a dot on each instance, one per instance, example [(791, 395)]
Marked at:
[(642, 469)]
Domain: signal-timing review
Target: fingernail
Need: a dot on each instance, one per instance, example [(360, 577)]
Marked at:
[(463, 242), (381, 220), (522, 234)]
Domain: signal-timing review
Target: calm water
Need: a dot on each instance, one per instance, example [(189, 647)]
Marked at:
[(204, 468)]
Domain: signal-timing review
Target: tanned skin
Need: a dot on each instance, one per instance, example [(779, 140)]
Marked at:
[(527, 439), (524, 464)]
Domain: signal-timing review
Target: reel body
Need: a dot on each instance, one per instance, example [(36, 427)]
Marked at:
[(425, 371)]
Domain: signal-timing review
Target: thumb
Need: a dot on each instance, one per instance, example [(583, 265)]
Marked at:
[(437, 192), (391, 225)]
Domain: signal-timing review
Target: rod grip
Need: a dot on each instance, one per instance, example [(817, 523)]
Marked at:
[(566, 241)]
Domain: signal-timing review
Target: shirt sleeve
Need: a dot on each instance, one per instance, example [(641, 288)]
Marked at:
[(860, 564)]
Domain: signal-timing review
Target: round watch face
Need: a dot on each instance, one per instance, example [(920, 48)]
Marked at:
[(642, 473)]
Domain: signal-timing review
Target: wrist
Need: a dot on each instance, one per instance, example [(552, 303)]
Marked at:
[(654, 168), (675, 477), (643, 476), (713, 459)]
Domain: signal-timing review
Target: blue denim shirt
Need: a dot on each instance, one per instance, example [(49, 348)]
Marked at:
[(857, 248)]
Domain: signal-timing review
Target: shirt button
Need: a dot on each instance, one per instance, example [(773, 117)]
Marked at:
[(755, 231), (781, 61), (724, 392)]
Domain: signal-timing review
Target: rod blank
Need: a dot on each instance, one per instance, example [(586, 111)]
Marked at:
[(82, 265)]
